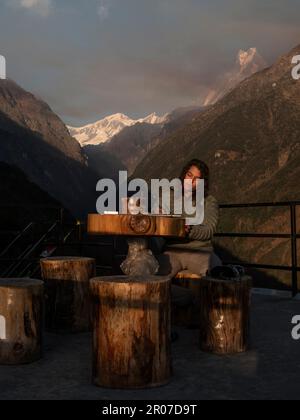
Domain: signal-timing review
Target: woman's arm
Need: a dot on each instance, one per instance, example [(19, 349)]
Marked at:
[(206, 230)]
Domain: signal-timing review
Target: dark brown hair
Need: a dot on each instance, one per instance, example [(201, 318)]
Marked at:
[(203, 168)]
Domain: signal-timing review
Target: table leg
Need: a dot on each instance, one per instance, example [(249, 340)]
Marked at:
[(140, 259)]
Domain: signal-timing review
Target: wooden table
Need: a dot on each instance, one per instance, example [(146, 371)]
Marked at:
[(138, 229)]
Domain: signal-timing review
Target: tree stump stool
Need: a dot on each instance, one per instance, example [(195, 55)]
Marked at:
[(68, 305), (132, 331), (225, 315), (187, 316), (21, 319)]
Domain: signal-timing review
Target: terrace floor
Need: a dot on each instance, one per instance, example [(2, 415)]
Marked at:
[(270, 370)]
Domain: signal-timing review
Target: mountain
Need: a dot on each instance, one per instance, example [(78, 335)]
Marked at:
[(183, 113), (35, 140), (26, 208), (22, 200), (103, 130), (249, 136), (247, 63), (102, 162), (250, 140), (17, 190), (133, 143), (126, 149), (35, 115)]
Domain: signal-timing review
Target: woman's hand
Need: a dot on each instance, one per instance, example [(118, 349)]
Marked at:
[(188, 229)]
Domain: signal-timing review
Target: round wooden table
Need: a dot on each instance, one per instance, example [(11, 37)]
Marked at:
[(138, 229)]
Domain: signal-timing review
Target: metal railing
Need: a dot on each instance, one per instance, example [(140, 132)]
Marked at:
[(28, 241), (17, 238), (293, 236)]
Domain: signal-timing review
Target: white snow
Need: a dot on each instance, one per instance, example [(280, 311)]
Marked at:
[(103, 130), (247, 63)]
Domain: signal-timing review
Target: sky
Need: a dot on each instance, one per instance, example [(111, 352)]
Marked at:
[(92, 58)]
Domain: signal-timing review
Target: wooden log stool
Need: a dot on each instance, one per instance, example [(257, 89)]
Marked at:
[(21, 320), (187, 316), (68, 305), (225, 315), (132, 331)]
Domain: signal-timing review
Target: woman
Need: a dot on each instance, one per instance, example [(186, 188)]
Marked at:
[(195, 253)]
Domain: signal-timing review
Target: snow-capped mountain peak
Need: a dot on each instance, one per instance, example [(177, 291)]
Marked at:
[(245, 57), (154, 119), (103, 130), (250, 61), (247, 63)]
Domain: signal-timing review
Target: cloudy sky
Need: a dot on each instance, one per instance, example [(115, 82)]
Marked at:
[(92, 58)]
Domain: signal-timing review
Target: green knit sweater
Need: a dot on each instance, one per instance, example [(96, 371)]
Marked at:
[(201, 236)]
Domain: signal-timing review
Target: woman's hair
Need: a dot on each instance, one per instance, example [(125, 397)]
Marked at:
[(203, 168)]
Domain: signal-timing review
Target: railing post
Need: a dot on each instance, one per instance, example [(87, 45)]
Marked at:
[(61, 227), (294, 249), (80, 237)]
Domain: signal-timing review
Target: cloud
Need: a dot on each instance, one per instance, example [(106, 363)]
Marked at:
[(103, 9), (40, 7), (181, 49)]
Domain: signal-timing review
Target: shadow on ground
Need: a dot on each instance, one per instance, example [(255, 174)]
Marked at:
[(270, 370)]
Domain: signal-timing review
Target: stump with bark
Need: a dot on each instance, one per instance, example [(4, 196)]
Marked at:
[(68, 305), (131, 341), (225, 315), (187, 316), (21, 320)]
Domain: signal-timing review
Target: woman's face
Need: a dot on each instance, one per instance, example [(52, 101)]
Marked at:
[(193, 174)]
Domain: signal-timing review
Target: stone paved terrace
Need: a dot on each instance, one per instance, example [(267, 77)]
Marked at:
[(270, 370)]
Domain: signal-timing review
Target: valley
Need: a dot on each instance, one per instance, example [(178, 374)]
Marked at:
[(249, 137)]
